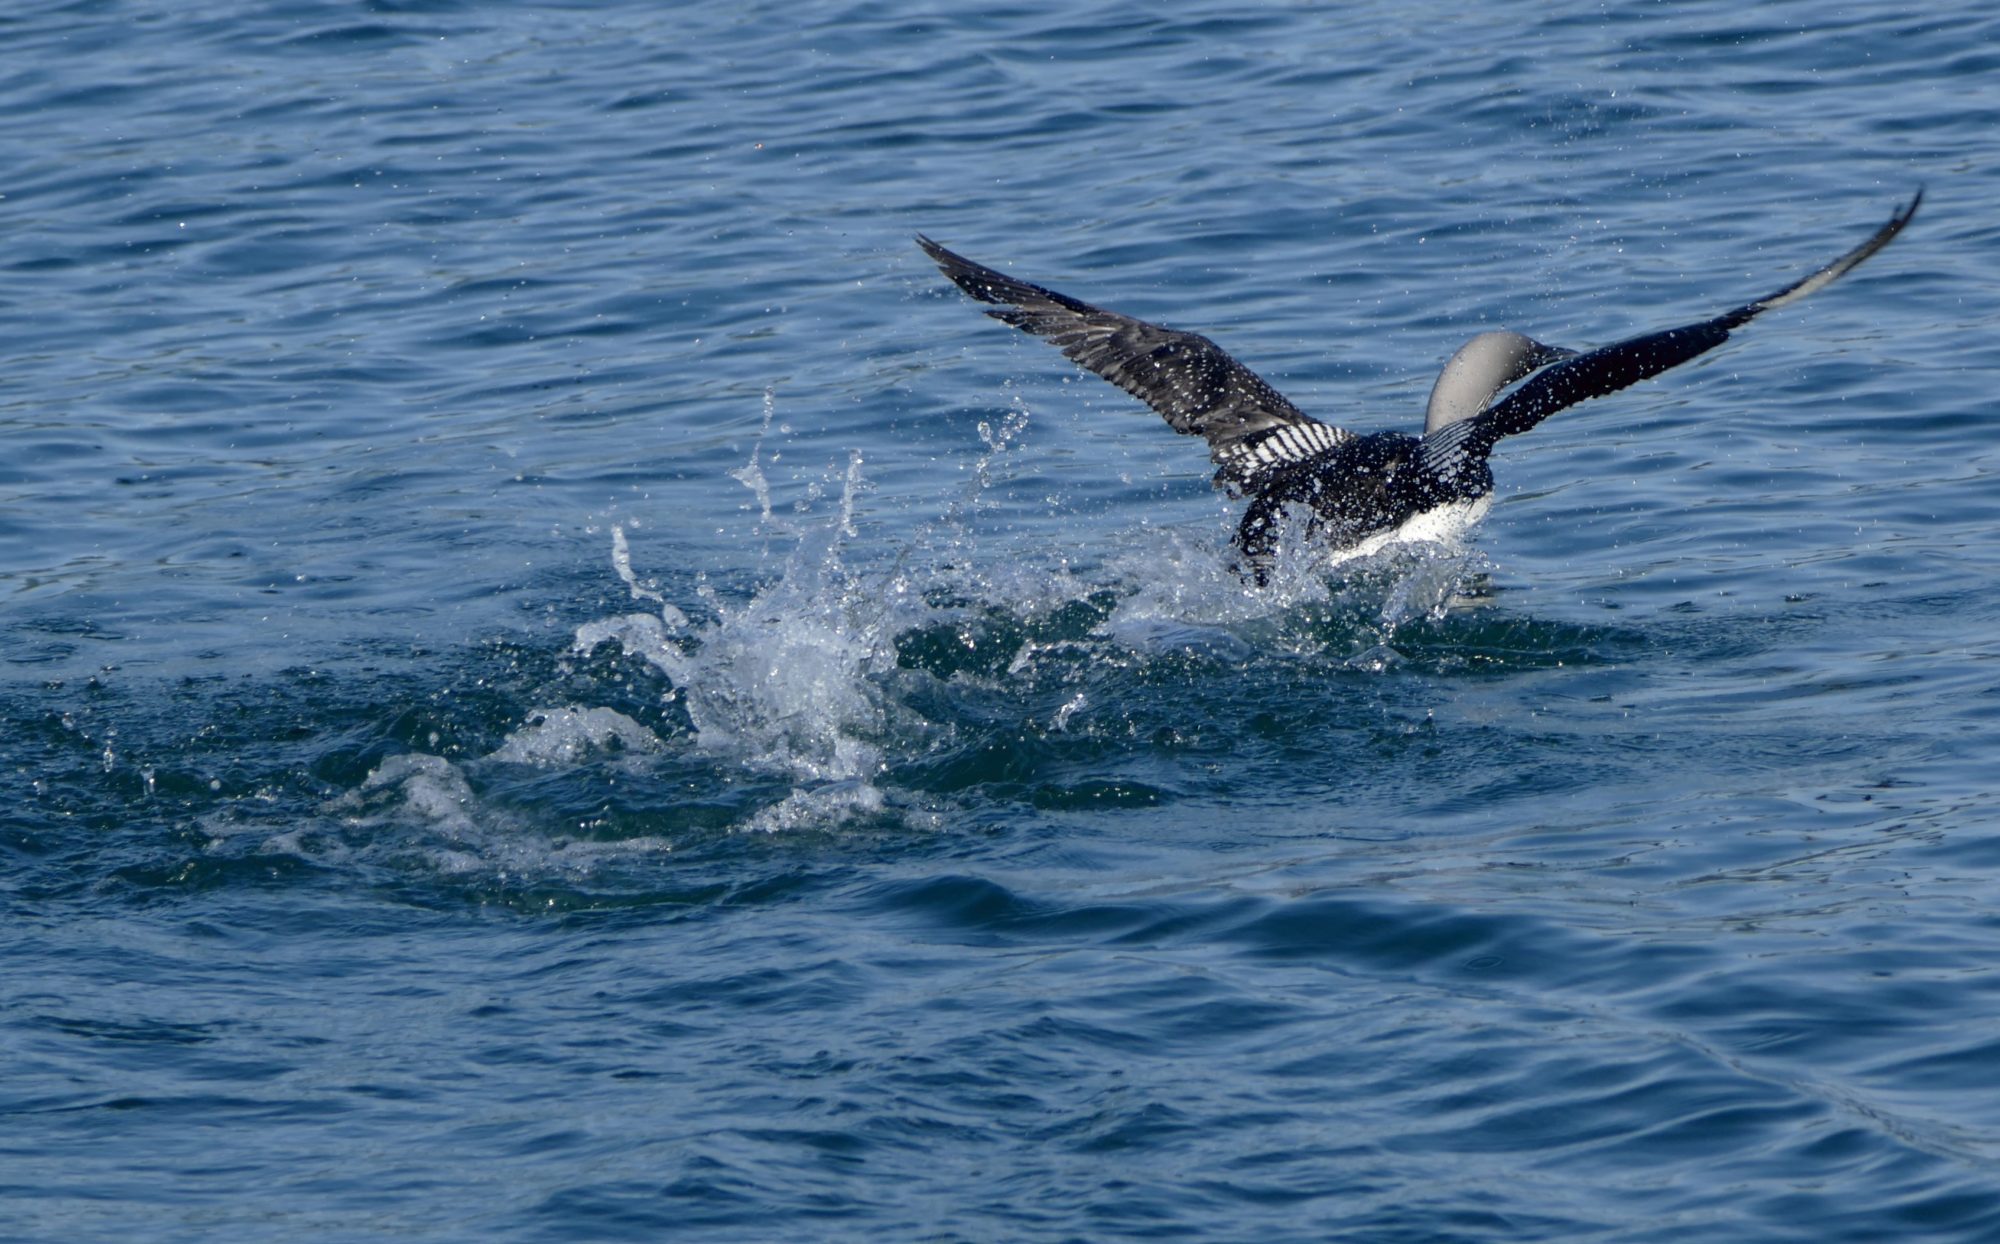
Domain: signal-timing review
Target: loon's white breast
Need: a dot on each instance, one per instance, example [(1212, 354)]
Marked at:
[(1446, 524)]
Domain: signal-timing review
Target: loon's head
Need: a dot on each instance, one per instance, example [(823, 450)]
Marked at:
[(1481, 368)]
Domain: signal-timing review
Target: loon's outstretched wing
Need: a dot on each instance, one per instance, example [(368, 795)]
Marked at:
[(1607, 369), (1190, 380)]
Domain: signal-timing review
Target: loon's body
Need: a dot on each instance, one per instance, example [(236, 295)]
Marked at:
[(1349, 488)]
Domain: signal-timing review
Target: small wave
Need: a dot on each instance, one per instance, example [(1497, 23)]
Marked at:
[(460, 828)]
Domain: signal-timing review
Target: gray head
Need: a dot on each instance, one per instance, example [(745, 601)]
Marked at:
[(1481, 368)]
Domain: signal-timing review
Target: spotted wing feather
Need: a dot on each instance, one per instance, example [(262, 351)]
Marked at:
[(1192, 382)]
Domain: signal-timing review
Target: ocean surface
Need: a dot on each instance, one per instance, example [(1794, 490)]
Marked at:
[(561, 684)]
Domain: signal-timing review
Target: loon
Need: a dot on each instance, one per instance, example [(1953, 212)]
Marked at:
[(1349, 487)]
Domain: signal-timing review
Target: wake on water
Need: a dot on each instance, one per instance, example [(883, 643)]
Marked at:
[(825, 680)]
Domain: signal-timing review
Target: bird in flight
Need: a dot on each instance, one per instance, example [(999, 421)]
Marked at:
[(1345, 487)]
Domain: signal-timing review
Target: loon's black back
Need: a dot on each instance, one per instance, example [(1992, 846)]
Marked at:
[(1345, 494), (1347, 487)]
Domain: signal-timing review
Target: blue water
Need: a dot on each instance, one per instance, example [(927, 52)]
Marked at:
[(561, 684)]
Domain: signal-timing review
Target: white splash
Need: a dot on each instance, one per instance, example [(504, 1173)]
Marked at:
[(621, 562), (563, 737), (798, 679), (786, 681), (751, 473), (1188, 594), (433, 789)]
